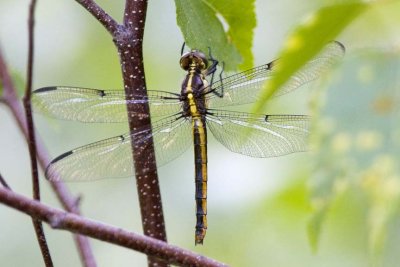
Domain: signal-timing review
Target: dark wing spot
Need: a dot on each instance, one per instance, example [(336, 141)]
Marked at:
[(102, 93), (271, 65), (341, 46), (266, 117), (66, 154), (45, 89)]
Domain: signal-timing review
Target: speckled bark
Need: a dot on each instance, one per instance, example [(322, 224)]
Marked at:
[(129, 42)]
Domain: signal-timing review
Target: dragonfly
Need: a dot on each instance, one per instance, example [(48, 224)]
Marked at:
[(182, 119)]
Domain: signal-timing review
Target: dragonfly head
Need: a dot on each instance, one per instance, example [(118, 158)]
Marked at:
[(194, 58)]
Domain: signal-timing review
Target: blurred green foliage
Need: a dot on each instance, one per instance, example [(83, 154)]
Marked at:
[(307, 40), (357, 143)]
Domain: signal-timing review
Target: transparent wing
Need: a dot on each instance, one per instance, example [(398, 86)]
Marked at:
[(245, 87), (112, 158), (93, 105), (270, 135)]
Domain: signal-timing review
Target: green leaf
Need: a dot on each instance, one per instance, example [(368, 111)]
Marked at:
[(307, 41), (202, 28), (240, 16)]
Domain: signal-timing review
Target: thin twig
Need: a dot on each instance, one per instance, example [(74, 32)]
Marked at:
[(37, 225), (4, 183), (67, 221), (64, 196)]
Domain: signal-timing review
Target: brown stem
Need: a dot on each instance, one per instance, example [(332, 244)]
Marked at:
[(66, 199), (27, 104), (129, 41), (37, 224), (68, 221), (130, 48)]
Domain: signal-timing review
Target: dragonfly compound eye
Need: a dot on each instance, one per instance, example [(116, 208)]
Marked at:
[(194, 58)]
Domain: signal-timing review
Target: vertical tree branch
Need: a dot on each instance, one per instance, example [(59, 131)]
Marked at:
[(27, 102), (130, 48), (37, 224), (129, 41)]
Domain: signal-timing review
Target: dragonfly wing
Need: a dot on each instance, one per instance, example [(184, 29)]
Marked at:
[(171, 138), (245, 87), (317, 66), (240, 88), (112, 158), (269, 135), (94, 105)]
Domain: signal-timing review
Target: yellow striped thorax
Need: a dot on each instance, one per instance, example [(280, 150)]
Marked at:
[(194, 84)]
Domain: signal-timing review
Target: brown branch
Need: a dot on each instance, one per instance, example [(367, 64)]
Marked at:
[(129, 42), (68, 221), (130, 48), (66, 199), (37, 225), (86, 260)]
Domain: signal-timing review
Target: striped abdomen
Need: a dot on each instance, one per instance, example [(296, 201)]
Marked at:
[(200, 161)]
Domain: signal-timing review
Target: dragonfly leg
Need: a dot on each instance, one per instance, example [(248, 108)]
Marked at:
[(213, 67), (221, 93), (183, 47)]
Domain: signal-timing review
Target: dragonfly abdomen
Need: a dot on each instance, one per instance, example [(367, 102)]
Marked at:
[(200, 156)]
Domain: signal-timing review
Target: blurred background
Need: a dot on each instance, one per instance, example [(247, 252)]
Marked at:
[(335, 206)]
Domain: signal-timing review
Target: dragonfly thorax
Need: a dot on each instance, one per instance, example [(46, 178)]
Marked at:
[(192, 92)]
